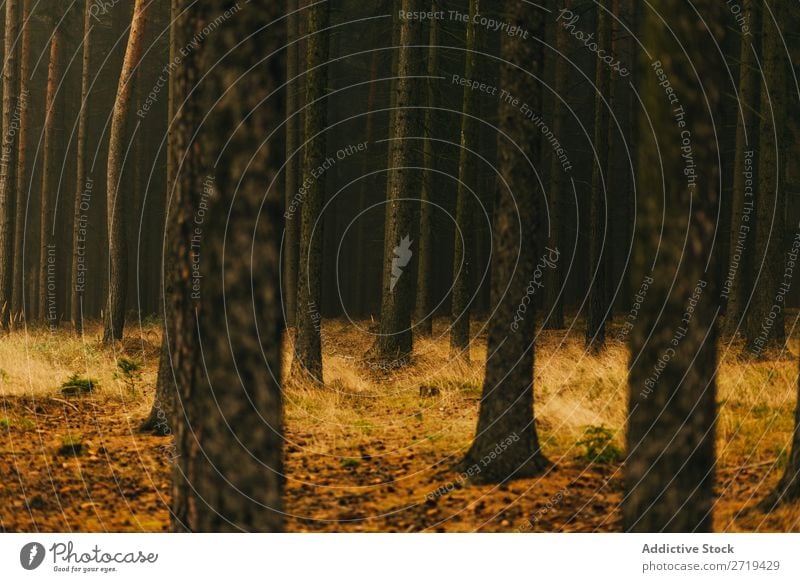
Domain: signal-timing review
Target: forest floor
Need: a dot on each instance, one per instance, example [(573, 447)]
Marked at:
[(368, 452)]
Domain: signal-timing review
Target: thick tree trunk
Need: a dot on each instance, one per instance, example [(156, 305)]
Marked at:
[(307, 362), (506, 432), (467, 180), (424, 305), (8, 162), (598, 239), (117, 244), (21, 174), (765, 316), (82, 187), (47, 277), (737, 280), (229, 473), (394, 340), (669, 476)]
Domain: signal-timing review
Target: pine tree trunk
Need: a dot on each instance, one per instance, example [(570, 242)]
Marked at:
[(669, 476), (737, 280), (117, 243), (8, 162), (394, 341), (161, 419), (424, 305), (765, 317), (292, 170), (598, 239), (307, 362), (22, 184), (506, 432), (467, 179), (229, 473), (554, 294), (47, 279), (82, 188)]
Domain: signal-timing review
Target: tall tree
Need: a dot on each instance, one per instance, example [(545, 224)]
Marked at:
[(117, 244), (394, 340), (46, 288), (307, 363), (81, 174), (506, 410), (554, 296), (8, 155), (598, 253), (467, 179), (424, 305), (765, 318), (229, 473), (21, 174), (738, 279), (293, 169), (669, 476), (788, 488)]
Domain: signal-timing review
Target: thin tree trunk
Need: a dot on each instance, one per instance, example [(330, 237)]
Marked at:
[(22, 185), (394, 341), (307, 362), (765, 317), (467, 179), (8, 162), (229, 473), (506, 419), (117, 243), (424, 306), (788, 488), (598, 251), (669, 476), (82, 187), (292, 170), (47, 278)]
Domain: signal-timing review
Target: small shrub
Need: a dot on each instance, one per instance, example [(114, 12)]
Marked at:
[(598, 446), (349, 463), (76, 385), (130, 372), (5, 423)]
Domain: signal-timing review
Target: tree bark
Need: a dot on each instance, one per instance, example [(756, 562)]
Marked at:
[(293, 169), (394, 341), (506, 419), (117, 243), (22, 185), (467, 190), (227, 349), (765, 317), (669, 476), (598, 251), (307, 362), (8, 162)]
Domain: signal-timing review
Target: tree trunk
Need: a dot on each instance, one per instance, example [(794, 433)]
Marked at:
[(554, 294), (598, 239), (467, 190), (506, 420), (394, 341), (161, 419), (738, 279), (229, 474), (8, 162), (669, 476), (22, 185), (424, 305), (292, 170), (788, 489), (765, 317), (117, 243), (83, 188), (307, 363), (47, 277)]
